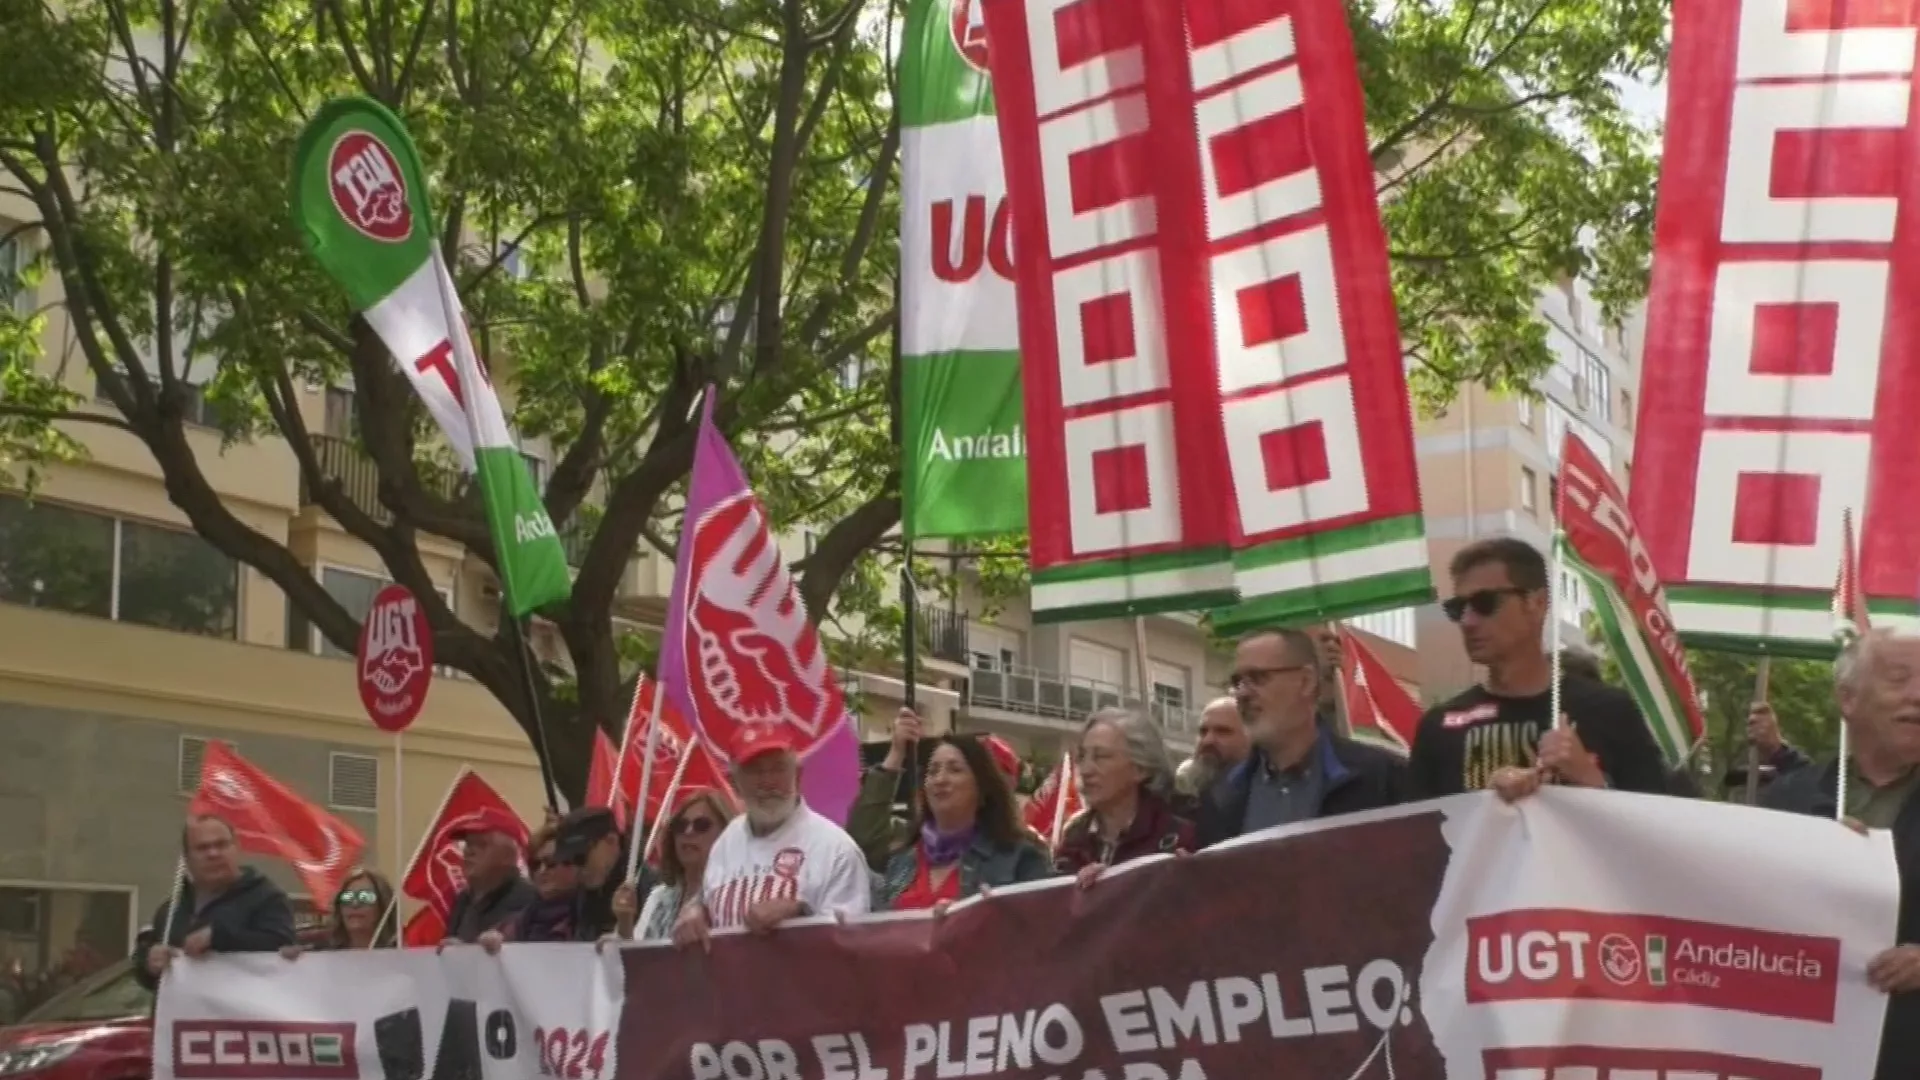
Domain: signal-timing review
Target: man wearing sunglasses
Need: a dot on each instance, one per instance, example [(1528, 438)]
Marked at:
[(1501, 734)]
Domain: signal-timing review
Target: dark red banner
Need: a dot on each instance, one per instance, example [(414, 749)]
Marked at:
[(1183, 968)]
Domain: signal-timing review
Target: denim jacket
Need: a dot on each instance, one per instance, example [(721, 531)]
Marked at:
[(984, 863)]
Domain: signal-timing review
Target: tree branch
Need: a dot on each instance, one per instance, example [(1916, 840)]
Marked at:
[(62, 416), (849, 538)]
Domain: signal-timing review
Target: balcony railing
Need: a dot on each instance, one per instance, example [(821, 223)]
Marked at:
[(942, 635), (1068, 700), (343, 461)]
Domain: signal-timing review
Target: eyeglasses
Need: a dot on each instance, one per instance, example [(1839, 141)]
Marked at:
[(1257, 677), (1483, 603), (693, 826), (357, 898)]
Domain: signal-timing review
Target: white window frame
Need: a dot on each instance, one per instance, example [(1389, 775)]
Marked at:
[(1529, 490), (314, 637), (14, 258)]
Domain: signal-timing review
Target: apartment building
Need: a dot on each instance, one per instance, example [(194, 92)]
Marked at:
[(1487, 465)]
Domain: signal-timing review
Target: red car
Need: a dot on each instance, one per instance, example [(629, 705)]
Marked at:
[(98, 1029)]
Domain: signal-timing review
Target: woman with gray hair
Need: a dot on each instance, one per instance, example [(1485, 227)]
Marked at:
[(1126, 782)]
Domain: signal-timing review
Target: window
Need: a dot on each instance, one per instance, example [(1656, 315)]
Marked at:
[(14, 260), (1171, 687), (1090, 661), (177, 581), (1529, 498), (1523, 409), (851, 372), (1599, 386), (341, 422), (56, 557), (355, 591), (54, 938), (513, 261), (193, 755), (64, 559), (353, 782)]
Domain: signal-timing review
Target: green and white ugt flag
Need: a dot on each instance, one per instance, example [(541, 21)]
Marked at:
[(966, 448), (360, 201)]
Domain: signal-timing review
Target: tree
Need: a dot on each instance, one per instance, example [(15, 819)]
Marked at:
[(639, 197), (1509, 163), (1800, 691)]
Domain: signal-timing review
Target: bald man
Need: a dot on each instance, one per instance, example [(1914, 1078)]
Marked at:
[(1223, 742)]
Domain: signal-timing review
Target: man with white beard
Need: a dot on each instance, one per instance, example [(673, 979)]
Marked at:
[(779, 860)]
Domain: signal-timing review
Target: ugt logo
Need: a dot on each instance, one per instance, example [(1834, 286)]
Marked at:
[(368, 188), (759, 659)]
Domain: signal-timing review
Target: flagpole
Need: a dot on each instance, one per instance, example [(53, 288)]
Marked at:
[(910, 648), (1762, 673), (638, 821)]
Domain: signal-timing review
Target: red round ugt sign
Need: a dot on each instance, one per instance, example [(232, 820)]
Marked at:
[(395, 660)]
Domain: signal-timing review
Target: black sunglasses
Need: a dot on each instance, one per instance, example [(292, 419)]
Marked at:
[(1483, 603), (697, 826), (357, 898)]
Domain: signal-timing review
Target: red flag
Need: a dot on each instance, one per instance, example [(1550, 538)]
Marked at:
[(600, 776), (426, 929), (1045, 815), (1375, 699), (268, 818), (436, 875), (703, 771)]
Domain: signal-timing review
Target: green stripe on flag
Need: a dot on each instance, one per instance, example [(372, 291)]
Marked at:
[(1646, 679)]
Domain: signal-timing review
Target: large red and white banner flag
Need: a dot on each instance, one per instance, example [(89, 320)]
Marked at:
[(1782, 369), (1206, 319)]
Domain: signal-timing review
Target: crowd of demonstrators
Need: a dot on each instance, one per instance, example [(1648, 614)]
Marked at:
[(778, 860), (496, 891), (362, 917), (1502, 730), (219, 907), (966, 836), (1126, 785), (1299, 768)]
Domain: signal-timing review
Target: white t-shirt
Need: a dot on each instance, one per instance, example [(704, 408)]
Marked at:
[(808, 857)]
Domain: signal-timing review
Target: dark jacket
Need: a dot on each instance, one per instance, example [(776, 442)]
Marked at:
[(251, 916), (1815, 791), (1156, 830), (472, 916), (984, 863), (1355, 777)]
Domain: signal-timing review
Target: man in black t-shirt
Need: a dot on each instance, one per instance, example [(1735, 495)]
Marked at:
[(1500, 734)]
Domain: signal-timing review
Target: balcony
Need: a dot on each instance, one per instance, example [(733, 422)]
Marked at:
[(1064, 702), (343, 461), (942, 635)]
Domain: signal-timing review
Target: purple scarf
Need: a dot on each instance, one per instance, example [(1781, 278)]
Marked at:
[(944, 849)]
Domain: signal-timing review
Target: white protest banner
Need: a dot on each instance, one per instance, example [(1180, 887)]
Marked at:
[(1579, 936), (546, 1010)]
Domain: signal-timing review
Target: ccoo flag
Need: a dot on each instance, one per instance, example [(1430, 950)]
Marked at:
[(965, 470), (1603, 546), (360, 202)]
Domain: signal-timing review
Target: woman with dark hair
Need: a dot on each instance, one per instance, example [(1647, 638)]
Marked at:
[(361, 917), (966, 835), (554, 915)]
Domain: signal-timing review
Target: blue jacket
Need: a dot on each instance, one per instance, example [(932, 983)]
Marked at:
[(1357, 777)]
